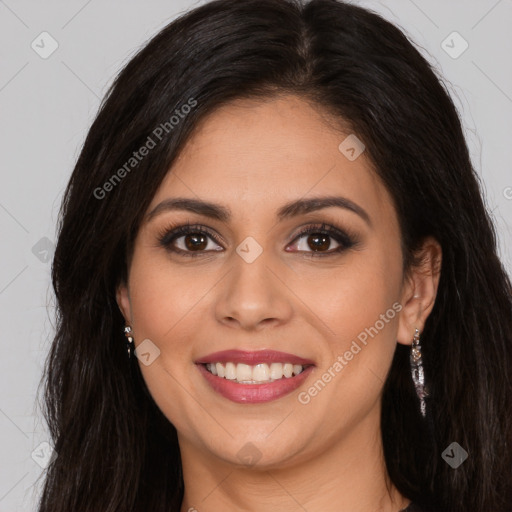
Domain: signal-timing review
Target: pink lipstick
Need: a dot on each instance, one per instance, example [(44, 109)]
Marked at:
[(254, 377)]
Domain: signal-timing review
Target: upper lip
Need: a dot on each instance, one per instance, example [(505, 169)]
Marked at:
[(253, 357)]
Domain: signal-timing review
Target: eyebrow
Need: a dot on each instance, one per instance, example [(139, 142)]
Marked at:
[(289, 210)]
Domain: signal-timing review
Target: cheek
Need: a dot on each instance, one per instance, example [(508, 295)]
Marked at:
[(352, 296), (166, 310), (357, 307), (164, 301), (359, 312)]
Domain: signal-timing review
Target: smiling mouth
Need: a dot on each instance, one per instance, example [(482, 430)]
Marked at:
[(256, 376), (262, 373)]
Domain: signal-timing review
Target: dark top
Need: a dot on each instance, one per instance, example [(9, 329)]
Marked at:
[(412, 508)]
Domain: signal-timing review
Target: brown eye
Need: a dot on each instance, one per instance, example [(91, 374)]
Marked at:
[(322, 240), (319, 242), (196, 242), (189, 241)]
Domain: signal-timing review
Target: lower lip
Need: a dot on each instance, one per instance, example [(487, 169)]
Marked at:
[(254, 393)]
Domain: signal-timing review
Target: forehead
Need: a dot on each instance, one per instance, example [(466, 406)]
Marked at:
[(263, 153)]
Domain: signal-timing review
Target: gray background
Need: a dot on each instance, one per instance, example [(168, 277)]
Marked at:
[(48, 104)]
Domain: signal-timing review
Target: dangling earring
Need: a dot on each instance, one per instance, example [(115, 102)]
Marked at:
[(129, 340), (418, 375)]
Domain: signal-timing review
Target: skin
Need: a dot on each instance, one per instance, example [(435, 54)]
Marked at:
[(253, 156)]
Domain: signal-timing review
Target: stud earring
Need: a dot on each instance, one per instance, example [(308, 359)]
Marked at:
[(129, 341), (418, 374)]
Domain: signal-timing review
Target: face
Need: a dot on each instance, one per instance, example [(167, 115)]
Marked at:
[(268, 264)]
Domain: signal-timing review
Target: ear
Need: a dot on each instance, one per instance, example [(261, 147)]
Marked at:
[(420, 290), (123, 301)]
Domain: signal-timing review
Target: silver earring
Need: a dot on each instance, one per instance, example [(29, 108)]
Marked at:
[(129, 341), (418, 375)]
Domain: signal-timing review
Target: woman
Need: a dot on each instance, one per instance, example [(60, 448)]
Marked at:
[(276, 208)]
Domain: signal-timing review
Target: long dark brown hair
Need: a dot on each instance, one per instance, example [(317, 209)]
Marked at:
[(116, 452)]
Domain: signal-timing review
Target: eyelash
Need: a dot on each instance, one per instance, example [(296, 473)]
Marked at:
[(345, 239)]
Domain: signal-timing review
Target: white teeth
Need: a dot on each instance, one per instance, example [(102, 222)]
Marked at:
[(261, 373), (247, 374), (221, 370), (230, 371), (276, 371), (243, 372)]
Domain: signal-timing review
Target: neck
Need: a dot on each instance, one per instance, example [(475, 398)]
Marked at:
[(350, 475)]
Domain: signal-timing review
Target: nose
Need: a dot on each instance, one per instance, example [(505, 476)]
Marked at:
[(252, 296)]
